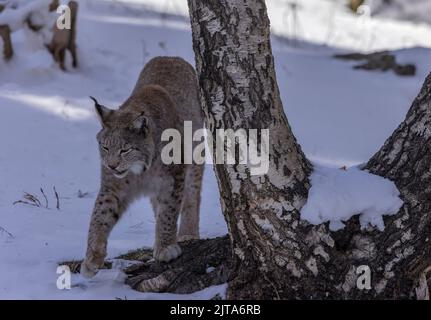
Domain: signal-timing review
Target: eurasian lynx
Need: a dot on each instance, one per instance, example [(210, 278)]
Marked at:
[(165, 96)]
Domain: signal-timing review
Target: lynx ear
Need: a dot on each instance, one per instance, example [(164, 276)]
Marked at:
[(140, 124), (102, 111)]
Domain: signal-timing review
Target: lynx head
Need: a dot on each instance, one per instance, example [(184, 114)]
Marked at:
[(125, 142)]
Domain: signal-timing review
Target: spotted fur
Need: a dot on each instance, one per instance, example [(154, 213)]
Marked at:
[(130, 146)]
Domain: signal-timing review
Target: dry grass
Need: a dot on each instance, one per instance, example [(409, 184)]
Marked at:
[(34, 200)]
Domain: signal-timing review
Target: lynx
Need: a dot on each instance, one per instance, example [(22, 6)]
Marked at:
[(130, 144)]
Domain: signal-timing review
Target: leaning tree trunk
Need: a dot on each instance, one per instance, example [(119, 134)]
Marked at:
[(276, 255), (403, 253)]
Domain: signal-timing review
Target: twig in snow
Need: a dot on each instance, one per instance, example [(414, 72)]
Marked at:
[(46, 199), (3, 230), (57, 198)]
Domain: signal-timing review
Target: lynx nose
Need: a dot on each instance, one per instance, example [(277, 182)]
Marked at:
[(112, 167)]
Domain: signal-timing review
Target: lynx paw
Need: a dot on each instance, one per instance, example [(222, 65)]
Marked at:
[(88, 270), (187, 237), (168, 253)]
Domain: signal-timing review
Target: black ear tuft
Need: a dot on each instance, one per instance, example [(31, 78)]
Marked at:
[(95, 101), (102, 111)]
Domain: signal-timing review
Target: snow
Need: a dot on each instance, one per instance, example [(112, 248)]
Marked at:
[(338, 194), (48, 126), (209, 269)]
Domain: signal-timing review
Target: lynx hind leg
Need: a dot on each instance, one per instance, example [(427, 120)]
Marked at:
[(189, 224), (167, 206)]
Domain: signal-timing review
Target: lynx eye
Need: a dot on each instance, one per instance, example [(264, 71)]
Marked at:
[(104, 148), (125, 151)]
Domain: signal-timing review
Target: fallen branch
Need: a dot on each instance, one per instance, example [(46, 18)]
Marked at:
[(187, 274), (203, 263)]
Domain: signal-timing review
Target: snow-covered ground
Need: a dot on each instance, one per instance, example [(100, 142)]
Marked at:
[(340, 116)]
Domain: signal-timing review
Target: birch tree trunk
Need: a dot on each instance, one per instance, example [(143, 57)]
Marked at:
[(271, 246), (276, 255)]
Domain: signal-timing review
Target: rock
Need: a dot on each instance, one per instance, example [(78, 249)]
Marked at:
[(382, 61)]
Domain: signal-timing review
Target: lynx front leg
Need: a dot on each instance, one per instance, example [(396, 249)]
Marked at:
[(107, 211), (167, 207)]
